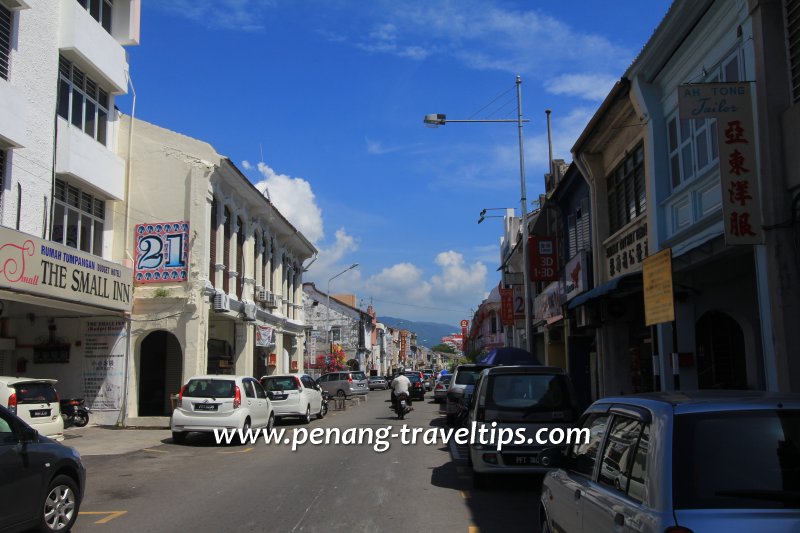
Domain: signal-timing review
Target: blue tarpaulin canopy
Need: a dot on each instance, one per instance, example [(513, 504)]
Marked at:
[(508, 355)]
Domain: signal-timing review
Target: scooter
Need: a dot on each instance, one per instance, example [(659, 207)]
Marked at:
[(74, 412), (325, 397), (402, 406)]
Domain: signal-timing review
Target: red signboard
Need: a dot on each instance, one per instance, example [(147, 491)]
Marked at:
[(464, 334), (507, 306), (543, 258)]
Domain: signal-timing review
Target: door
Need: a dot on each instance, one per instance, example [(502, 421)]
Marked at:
[(160, 373), (614, 503), (313, 397), (261, 404), (21, 482), (721, 360), (250, 400)]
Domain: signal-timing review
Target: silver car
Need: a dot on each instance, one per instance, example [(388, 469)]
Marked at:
[(345, 383), (683, 462), (440, 389)]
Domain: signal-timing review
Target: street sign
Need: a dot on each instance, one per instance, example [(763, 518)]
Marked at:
[(543, 258), (659, 305)]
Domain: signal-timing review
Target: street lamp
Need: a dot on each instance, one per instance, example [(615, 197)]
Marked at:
[(484, 216), (328, 305), (434, 120)]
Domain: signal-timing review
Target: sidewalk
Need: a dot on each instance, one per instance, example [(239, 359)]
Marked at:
[(109, 440)]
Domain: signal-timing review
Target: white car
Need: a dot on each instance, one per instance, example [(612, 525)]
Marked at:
[(294, 395), (221, 402), (36, 402)]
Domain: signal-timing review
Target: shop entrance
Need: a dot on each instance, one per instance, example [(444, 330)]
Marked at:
[(721, 360), (160, 373)]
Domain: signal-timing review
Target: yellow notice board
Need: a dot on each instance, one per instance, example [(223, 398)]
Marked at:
[(659, 305)]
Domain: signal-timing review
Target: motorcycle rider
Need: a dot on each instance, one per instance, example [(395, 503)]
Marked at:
[(400, 385)]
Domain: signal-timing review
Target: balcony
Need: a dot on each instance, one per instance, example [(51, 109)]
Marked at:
[(82, 157), (12, 116), (84, 41)]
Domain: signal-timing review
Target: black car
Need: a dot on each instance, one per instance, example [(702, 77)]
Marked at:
[(43, 481)]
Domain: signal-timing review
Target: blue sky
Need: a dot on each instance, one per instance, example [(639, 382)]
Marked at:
[(332, 93)]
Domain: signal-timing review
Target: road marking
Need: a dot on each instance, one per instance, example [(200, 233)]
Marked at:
[(465, 494), (111, 515), (240, 451), (152, 450), (474, 529)]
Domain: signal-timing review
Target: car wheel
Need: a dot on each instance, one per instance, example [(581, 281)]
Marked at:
[(178, 437), (60, 508), (81, 419), (245, 429), (480, 480), (323, 410), (307, 419), (340, 393), (270, 422)]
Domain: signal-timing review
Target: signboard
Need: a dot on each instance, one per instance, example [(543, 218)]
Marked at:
[(45, 268), (659, 306), (464, 335), (543, 258), (575, 276), (507, 306), (103, 363), (265, 336), (547, 305), (162, 252), (731, 104), (519, 301), (626, 252)]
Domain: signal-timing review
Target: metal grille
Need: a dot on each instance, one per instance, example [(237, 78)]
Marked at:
[(793, 44), (5, 41)]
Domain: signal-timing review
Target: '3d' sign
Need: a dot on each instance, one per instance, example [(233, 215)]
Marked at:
[(162, 252)]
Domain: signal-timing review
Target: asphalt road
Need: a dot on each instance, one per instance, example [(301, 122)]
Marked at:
[(200, 486)]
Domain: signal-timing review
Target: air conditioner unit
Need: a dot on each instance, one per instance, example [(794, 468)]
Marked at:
[(221, 303), (249, 312), (271, 300), (262, 295)]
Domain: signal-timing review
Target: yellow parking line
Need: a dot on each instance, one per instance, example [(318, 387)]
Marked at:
[(240, 451), (473, 529), (111, 515), (465, 494), (152, 450)]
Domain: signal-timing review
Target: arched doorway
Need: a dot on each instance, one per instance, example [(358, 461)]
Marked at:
[(160, 373), (721, 362)]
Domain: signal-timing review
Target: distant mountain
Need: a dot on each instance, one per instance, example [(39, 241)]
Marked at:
[(428, 333)]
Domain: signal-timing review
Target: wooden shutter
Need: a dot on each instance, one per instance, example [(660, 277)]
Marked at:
[(212, 241)]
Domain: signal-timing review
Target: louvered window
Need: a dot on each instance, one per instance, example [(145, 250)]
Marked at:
[(256, 245), (5, 41), (226, 251), (265, 264), (81, 101), (793, 44), (78, 218), (2, 171), (626, 190), (212, 241), (240, 258), (100, 10)]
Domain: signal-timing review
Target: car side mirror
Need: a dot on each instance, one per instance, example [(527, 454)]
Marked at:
[(28, 435), (270, 395)]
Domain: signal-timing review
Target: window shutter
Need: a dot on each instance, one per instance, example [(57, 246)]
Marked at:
[(212, 239), (585, 229), (572, 235), (226, 251), (5, 41), (793, 43), (240, 258)]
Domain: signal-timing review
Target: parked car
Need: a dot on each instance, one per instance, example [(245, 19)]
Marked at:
[(440, 389), (529, 398), (417, 389), (293, 395), (36, 402), (428, 380), (462, 384), (681, 462), (377, 382), (43, 481), (344, 383), (221, 401)]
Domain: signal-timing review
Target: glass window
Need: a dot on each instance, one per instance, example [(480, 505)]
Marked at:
[(248, 389), (35, 393), (618, 453), (81, 214), (737, 460), (280, 383), (7, 435), (81, 101), (529, 398), (336, 334), (100, 10), (584, 455), (639, 467), (259, 390), (210, 388), (626, 190)]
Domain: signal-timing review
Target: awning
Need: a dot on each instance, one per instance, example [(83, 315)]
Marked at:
[(629, 282)]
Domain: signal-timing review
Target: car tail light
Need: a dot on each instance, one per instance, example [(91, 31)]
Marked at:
[(439, 386), (677, 529), (237, 398), (12, 403), (299, 384), (349, 378), (180, 396), (490, 458)]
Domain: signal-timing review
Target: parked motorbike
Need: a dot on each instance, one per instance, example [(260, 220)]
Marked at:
[(325, 397), (402, 406), (74, 412)]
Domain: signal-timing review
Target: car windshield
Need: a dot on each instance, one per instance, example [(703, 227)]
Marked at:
[(35, 393), (210, 388), (414, 378), (468, 376), (734, 460), (445, 379), (359, 375), (529, 397), (280, 383)]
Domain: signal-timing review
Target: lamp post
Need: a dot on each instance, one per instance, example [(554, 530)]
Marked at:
[(434, 120), (328, 305)]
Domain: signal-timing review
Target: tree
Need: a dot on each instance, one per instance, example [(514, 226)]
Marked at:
[(444, 348)]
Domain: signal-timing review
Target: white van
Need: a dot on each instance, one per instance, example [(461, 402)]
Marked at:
[(36, 402)]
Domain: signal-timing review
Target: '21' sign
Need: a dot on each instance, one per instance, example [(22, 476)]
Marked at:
[(162, 252)]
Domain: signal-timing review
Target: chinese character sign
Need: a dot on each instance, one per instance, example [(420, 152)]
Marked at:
[(542, 258), (162, 252), (507, 306), (731, 105), (103, 363)]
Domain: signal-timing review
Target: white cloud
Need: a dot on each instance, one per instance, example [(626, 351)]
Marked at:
[(586, 86), (243, 15), (458, 279), (246, 165), (294, 199), (377, 148)]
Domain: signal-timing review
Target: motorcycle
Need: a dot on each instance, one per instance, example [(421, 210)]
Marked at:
[(74, 412), (402, 406), (325, 397)]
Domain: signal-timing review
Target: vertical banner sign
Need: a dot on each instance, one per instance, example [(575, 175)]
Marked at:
[(464, 334), (543, 259), (507, 306), (162, 252), (731, 104), (519, 301), (659, 305), (103, 363)]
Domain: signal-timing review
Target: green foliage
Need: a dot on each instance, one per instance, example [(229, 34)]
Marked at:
[(444, 348), (160, 292)]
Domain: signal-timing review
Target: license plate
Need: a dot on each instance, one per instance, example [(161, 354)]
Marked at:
[(521, 460), (38, 413), (279, 396), (205, 407)]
